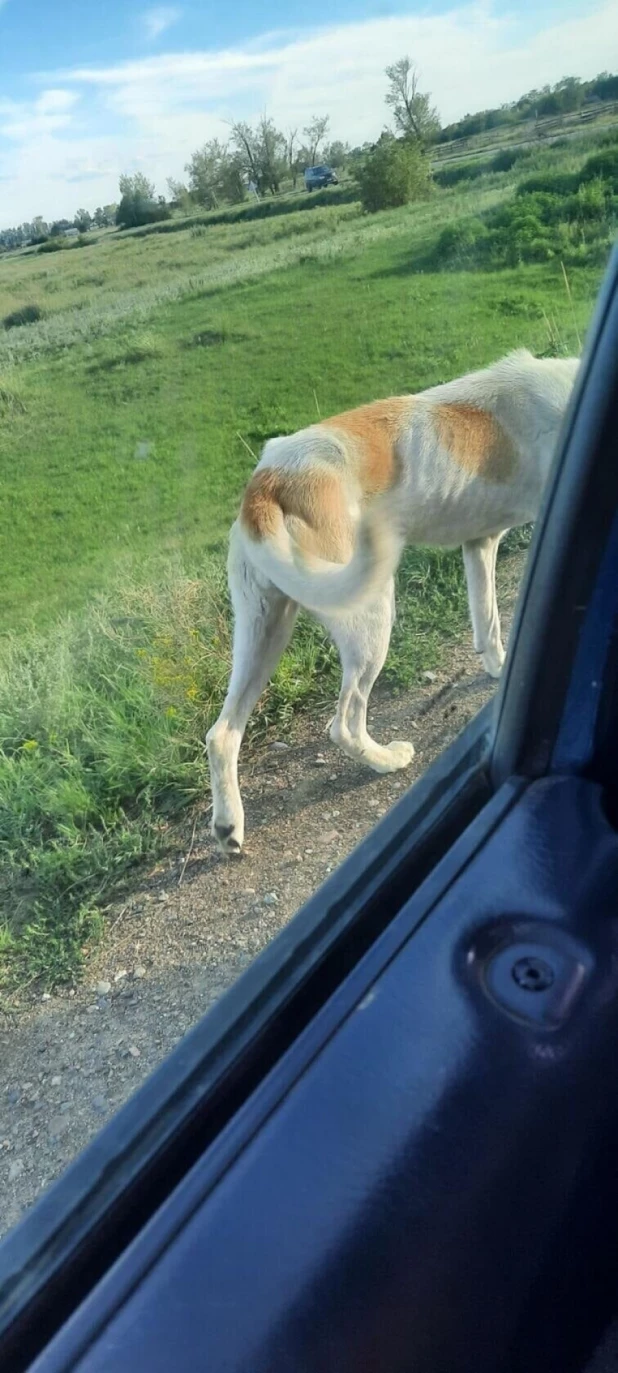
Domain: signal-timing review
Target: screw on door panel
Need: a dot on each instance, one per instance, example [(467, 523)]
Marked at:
[(533, 974)]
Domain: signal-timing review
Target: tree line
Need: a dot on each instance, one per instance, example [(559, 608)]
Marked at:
[(259, 158), (566, 97)]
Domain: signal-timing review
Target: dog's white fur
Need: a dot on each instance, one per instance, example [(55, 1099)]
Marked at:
[(328, 511)]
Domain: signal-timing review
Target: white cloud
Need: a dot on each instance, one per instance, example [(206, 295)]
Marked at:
[(25, 123), (157, 21), (156, 111)]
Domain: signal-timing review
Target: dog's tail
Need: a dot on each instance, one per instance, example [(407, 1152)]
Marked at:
[(314, 582)]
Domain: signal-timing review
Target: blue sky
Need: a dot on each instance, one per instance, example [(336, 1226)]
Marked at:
[(90, 90)]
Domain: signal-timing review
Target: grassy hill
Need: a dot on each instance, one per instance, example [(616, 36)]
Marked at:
[(129, 413)]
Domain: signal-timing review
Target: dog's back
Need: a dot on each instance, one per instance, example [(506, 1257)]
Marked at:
[(449, 464)]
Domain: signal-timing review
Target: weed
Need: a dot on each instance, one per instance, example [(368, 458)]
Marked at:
[(27, 314)]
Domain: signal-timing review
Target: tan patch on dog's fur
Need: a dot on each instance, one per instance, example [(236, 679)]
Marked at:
[(375, 430), (475, 441), (311, 503)]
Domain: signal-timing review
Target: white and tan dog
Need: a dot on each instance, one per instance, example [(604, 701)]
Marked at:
[(326, 515)]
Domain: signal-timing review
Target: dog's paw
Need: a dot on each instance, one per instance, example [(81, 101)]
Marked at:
[(402, 753), (389, 758), (493, 661), (229, 838)]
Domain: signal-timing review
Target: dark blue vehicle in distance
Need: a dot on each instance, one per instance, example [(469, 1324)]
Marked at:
[(318, 177)]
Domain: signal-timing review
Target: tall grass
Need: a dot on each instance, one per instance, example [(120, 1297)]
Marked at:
[(102, 722)]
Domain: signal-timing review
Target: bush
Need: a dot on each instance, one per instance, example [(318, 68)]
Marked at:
[(27, 314), (463, 171), (506, 158), (51, 245), (549, 183), (461, 243), (604, 165), (135, 210), (503, 161), (394, 173), (591, 200)]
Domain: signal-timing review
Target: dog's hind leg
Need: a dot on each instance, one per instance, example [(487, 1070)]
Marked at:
[(362, 639), (263, 622), (480, 565)]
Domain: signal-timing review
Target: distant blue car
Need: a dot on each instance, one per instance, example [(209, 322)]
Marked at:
[(317, 177)]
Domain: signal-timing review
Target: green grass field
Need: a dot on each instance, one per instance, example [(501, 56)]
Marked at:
[(126, 418)]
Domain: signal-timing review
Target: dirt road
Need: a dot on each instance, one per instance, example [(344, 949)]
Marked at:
[(70, 1060)]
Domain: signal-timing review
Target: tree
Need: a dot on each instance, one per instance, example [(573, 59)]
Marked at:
[(245, 143), (137, 202), (215, 175), (336, 154), (271, 154), (204, 170), (414, 115), (261, 153), (315, 133), (137, 186), (292, 155), (83, 221), (395, 172)]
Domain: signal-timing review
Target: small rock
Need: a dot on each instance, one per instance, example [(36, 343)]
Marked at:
[(58, 1126), (280, 746), (320, 763), (13, 1095), (430, 676), (119, 975), (308, 850), (134, 1051), (99, 1104), (72, 991), (27, 1086), (46, 996), (16, 1169), (55, 1082), (271, 899), (248, 891), (329, 837), (163, 896), (102, 988), (139, 971), (65, 1106), (333, 778)]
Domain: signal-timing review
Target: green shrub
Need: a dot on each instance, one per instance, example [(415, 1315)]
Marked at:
[(591, 200), (463, 171), (506, 158), (51, 245), (135, 210), (461, 242), (27, 314), (395, 172), (549, 183), (604, 165)]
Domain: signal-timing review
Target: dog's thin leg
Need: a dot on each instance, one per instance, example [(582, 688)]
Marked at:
[(480, 564), (362, 640), (263, 622)]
